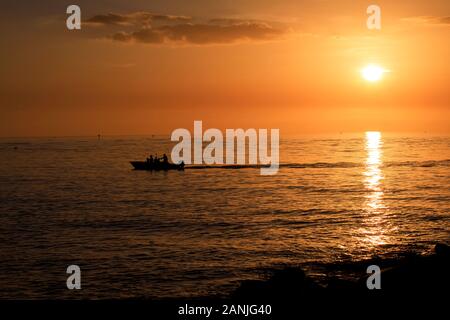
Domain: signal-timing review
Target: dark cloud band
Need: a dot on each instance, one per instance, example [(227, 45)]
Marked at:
[(158, 29), (135, 18)]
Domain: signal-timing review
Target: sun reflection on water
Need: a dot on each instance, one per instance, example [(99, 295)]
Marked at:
[(372, 173), (374, 229)]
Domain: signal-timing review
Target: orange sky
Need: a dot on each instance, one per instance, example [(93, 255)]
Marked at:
[(155, 66)]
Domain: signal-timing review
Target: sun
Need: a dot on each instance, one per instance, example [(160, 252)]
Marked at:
[(372, 72)]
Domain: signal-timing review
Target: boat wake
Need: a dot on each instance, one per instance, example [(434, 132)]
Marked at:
[(423, 164)]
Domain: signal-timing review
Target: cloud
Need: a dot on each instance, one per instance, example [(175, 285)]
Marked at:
[(443, 20), (201, 33), (135, 18), (147, 35), (429, 20), (150, 28)]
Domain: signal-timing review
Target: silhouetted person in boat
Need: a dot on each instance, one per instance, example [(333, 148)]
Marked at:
[(165, 159), (150, 161), (156, 161)]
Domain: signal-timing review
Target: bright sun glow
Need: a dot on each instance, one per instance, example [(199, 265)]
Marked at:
[(372, 72)]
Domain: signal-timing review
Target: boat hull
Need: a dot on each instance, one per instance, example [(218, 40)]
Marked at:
[(143, 165)]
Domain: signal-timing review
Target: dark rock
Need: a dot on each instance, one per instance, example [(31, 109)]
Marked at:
[(285, 284), (412, 275), (442, 250)]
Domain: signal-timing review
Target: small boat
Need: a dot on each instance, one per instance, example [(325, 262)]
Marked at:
[(144, 165)]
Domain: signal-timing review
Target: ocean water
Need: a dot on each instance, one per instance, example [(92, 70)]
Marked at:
[(140, 234)]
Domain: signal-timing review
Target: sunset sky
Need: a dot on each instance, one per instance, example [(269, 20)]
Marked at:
[(143, 67)]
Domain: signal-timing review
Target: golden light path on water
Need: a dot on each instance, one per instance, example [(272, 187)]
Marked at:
[(375, 226)]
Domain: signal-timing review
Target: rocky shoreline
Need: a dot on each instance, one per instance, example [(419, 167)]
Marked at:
[(411, 275)]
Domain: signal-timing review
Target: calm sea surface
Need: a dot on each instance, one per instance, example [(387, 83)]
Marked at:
[(70, 201)]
